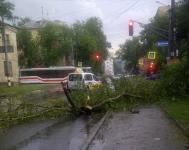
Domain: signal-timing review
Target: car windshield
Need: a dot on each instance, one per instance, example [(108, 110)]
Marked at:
[(88, 77), (75, 77)]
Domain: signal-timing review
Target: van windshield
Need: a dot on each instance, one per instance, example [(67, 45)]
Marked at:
[(75, 77), (88, 77)]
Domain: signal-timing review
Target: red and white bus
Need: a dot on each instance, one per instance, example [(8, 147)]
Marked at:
[(49, 75)]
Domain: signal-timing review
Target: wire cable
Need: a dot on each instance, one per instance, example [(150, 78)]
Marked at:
[(127, 9), (160, 34), (152, 26)]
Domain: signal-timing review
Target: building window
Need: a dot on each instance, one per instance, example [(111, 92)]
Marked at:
[(9, 49), (8, 68), (7, 38)]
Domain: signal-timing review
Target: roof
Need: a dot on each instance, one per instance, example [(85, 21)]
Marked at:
[(14, 28), (50, 68), (40, 23), (35, 24), (81, 73)]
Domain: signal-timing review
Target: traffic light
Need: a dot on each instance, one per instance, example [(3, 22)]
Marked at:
[(97, 57), (152, 68), (151, 65), (131, 28)]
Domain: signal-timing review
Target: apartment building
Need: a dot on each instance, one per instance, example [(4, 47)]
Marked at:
[(10, 70)]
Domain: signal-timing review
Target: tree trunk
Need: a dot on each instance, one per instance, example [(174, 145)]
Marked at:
[(5, 47)]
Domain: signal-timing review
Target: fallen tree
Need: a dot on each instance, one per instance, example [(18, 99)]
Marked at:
[(127, 93), (91, 108)]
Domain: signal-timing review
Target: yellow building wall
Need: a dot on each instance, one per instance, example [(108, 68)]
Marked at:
[(34, 33), (12, 57)]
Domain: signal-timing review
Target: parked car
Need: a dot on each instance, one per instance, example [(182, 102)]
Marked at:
[(82, 80)]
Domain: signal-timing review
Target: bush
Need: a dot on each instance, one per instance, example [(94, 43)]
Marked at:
[(139, 86), (175, 80), (138, 90)]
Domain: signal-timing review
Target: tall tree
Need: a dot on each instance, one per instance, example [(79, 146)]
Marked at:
[(156, 30), (94, 27), (55, 42), (131, 51), (6, 12), (29, 49), (90, 39), (183, 27)]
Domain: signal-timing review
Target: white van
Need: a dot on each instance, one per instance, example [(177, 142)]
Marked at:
[(81, 80)]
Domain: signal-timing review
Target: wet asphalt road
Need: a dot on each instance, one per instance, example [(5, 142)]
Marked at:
[(60, 135), (148, 130)]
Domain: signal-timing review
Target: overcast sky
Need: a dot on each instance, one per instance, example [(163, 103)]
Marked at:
[(115, 14)]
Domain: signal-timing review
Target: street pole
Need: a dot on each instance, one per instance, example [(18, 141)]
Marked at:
[(73, 62), (172, 31)]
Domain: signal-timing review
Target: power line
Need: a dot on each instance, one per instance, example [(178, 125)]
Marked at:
[(85, 10), (152, 26), (128, 8), (159, 33)]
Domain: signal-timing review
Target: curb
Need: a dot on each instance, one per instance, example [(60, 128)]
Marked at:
[(176, 122), (92, 136)]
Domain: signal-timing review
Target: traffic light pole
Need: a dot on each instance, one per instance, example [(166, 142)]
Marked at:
[(72, 55), (172, 31)]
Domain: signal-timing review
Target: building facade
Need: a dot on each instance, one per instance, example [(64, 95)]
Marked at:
[(119, 66), (109, 67), (163, 11), (12, 56)]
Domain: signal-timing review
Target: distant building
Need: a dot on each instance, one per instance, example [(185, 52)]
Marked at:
[(12, 53), (119, 66), (35, 26), (163, 11), (109, 67)]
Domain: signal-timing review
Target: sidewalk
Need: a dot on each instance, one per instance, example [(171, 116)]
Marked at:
[(149, 129)]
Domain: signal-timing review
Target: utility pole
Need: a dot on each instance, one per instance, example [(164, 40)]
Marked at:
[(73, 61), (172, 31), (42, 12)]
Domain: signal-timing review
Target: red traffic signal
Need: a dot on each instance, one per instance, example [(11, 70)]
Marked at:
[(152, 68), (131, 23), (96, 56)]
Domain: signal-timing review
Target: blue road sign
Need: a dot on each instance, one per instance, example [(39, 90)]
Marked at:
[(162, 43)]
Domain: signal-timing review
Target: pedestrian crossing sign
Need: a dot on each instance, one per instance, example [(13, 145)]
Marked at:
[(151, 55)]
